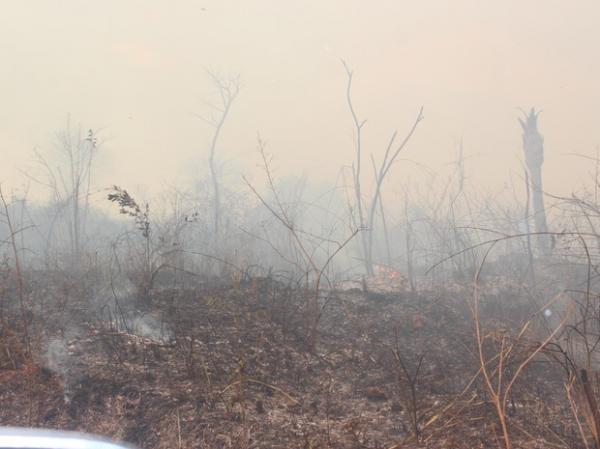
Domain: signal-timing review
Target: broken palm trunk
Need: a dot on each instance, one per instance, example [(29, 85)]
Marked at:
[(533, 146)]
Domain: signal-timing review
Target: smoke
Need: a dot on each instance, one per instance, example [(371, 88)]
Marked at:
[(61, 362), (151, 327)]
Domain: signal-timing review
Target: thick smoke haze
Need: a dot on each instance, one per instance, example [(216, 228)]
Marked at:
[(137, 70), (301, 224)]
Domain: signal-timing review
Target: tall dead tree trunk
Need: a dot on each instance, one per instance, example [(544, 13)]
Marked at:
[(228, 90), (356, 172), (533, 146), (366, 212)]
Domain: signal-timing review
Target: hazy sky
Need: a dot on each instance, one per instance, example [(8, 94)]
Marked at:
[(137, 70)]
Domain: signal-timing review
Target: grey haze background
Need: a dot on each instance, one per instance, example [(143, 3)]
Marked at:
[(137, 70)]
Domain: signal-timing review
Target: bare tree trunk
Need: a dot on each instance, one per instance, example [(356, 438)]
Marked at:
[(533, 146), (410, 271), (76, 249), (386, 235), (528, 231), (228, 91), (539, 211), (216, 190), (380, 174), (388, 160), (356, 171)]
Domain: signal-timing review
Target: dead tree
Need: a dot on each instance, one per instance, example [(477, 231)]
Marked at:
[(356, 169), (228, 90), (392, 151), (533, 146), (69, 182)]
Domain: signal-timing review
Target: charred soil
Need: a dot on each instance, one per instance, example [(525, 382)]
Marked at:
[(230, 367)]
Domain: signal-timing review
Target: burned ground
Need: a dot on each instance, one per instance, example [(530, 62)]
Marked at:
[(229, 366)]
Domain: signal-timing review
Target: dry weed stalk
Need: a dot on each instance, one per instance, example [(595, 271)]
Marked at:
[(154, 252), (410, 379), (574, 397), (499, 387)]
